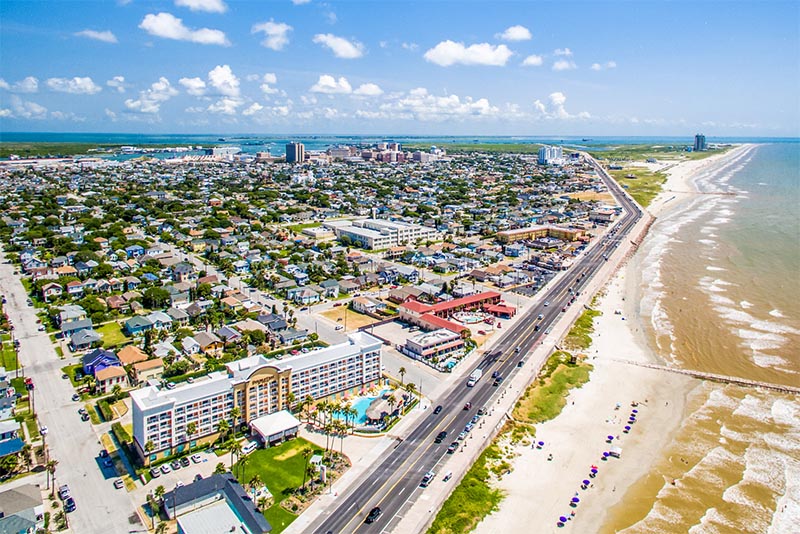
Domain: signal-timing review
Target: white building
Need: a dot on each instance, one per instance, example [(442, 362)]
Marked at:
[(380, 234), (256, 385), (551, 155), (439, 344)]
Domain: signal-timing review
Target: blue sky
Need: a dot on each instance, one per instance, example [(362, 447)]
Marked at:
[(379, 67)]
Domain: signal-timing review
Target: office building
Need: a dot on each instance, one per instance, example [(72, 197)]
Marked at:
[(381, 234), (257, 386), (295, 153), (699, 143)]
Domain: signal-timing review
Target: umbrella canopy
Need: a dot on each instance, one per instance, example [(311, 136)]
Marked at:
[(575, 499), (627, 427), (610, 438), (562, 518), (605, 454), (541, 443), (585, 482), (635, 411), (594, 470)]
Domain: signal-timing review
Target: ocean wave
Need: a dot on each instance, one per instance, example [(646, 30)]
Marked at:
[(787, 512), (710, 523), (768, 361), (753, 407), (777, 313), (786, 412), (709, 242), (744, 304), (714, 268)]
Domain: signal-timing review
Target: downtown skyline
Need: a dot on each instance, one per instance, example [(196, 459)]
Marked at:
[(460, 68)]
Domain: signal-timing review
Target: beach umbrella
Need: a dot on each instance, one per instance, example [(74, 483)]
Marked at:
[(594, 469), (635, 411), (627, 427), (609, 438), (576, 500), (585, 482), (541, 443), (562, 518)]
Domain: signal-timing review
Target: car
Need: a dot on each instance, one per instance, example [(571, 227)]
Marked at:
[(250, 447), (541, 316), (41, 328), (69, 505), (304, 308), (103, 453), (337, 304), (175, 465), (498, 381), (197, 477), (495, 374), (190, 380), (427, 478), (536, 328), (65, 376), (82, 411), (482, 410), (155, 473), (547, 303), (475, 419), (339, 327), (108, 462), (84, 416), (196, 458), (43, 430), (518, 349), (171, 385), (373, 515), (448, 476), (462, 436), (185, 462), (440, 437), (437, 410), (481, 333), (547, 331), (165, 469), (119, 483), (564, 309), (63, 492), (453, 447), (520, 363), (469, 427), (468, 406), (76, 397)]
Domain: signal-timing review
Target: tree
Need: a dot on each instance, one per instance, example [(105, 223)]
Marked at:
[(161, 528), (236, 449), (235, 413), (241, 466), (222, 428), (8, 464), (307, 452), (50, 466), (402, 372), (411, 388), (191, 430), (391, 400), (155, 297), (219, 469), (290, 400), (117, 392), (255, 481)]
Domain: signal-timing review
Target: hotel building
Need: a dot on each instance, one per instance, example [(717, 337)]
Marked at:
[(535, 232), (439, 344), (380, 234), (295, 153), (256, 385)]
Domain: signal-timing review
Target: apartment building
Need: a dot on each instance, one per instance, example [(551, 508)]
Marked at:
[(256, 385), (381, 234), (438, 344)]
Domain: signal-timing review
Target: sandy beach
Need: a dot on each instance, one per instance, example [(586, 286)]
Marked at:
[(539, 491)]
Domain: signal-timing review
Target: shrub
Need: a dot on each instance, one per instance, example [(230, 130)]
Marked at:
[(120, 433)]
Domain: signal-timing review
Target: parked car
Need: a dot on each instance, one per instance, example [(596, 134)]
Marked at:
[(155, 473), (437, 410), (69, 504), (452, 448), (103, 453), (185, 462), (427, 479), (448, 476), (119, 483), (165, 469), (462, 436), (373, 515), (63, 492), (84, 416), (175, 465), (196, 458), (76, 397), (197, 477)]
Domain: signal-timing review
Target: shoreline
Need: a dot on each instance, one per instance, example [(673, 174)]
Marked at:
[(577, 437)]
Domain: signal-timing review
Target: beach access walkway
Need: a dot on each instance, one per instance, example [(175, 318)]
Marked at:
[(725, 379)]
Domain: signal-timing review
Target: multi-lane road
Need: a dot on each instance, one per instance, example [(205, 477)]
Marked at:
[(393, 480)]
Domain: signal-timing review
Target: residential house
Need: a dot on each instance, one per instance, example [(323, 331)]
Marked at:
[(184, 272), (137, 325), (70, 328), (290, 335), (368, 305), (160, 320), (330, 288), (209, 343), (75, 289), (165, 349), (109, 377), (10, 442), (228, 334), (131, 354), (303, 295), (22, 510), (98, 360), (84, 339), (147, 370), (178, 316), (71, 312), (190, 345), (51, 291)]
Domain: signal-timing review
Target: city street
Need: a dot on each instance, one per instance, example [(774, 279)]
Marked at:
[(73, 443)]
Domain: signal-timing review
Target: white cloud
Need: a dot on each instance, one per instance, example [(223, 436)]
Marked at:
[(105, 36), (193, 86), (300, 2), (268, 80), (557, 109), (66, 116), (449, 53), (368, 89), (150, 99), (604, 66), (118, 83), (276, 34), (28, 84), (515, 33), (562, 52), (111, 115), (209, 6), (76, 86), (533, 61), (169, 26), (419, 104), (24, 109), (564, 64), (329, 85), (226, 105), (409, 46), (224, 81), (5, 112), (254, 108), (340, 46)]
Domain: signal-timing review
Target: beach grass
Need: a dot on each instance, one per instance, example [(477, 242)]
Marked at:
[(472, 499), (580, 335), (545, 399), (644, 187)]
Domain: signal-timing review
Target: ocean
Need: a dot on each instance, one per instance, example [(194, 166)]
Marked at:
[(720, 292)]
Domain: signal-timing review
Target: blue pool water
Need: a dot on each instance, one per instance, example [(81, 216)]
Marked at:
[(361, 404)]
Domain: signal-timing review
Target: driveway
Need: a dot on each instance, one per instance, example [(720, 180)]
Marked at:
[(73, 443)]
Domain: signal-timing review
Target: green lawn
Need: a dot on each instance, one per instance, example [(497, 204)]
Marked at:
[(281, 469), (297, 228), (9, 359), (645, 187), (112, 334)]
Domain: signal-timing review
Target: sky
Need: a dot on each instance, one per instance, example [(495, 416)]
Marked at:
[(524, 67)]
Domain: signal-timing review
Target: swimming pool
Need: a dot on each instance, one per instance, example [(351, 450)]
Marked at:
[(361, 404)]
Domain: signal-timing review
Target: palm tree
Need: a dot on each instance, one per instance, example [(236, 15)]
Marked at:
[(290, 398), (222, 428), (26, 456), (236, 448), (241, 466), (161, 528), (402, 372), (307, 452), (342, 430), (116, 391), (309, 403), (353, 414), (219, 468), (51, 472), (262, 503), (392, 401), (191, 429), (411, 388), (235, 413), (255, 481)]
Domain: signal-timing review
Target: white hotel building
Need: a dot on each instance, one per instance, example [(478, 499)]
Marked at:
[(256, 385), (380, 234)]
